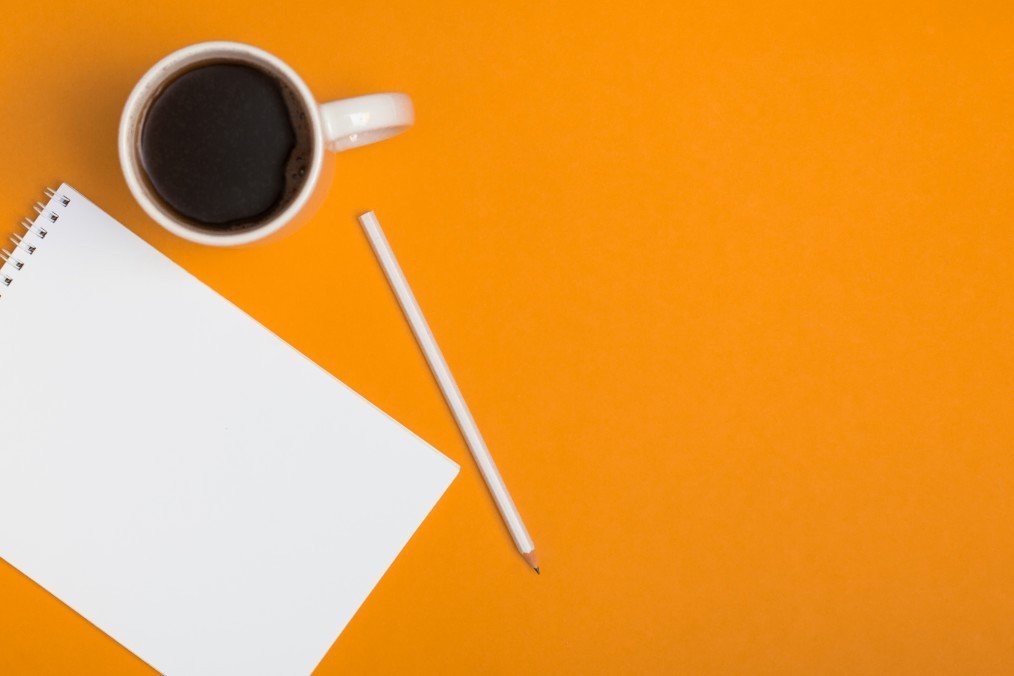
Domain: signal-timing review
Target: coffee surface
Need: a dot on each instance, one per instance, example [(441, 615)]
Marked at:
[(224, 145)]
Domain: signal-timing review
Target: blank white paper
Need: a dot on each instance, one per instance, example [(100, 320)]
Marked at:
[(179, 475)]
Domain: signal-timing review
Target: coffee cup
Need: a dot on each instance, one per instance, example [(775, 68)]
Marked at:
[(223, 144)]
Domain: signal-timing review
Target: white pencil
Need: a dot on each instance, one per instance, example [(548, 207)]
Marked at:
[(438, 365)]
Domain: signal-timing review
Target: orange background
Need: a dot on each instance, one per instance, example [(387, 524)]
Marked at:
[(728, 289)]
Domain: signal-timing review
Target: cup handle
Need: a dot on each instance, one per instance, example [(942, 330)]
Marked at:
[(349, 123)]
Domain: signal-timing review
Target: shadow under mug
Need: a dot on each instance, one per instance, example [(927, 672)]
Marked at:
[(334, 126)]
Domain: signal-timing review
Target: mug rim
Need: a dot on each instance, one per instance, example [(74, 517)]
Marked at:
[(149, 84)]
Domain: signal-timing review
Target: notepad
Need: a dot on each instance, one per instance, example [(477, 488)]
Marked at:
[(176, 473)]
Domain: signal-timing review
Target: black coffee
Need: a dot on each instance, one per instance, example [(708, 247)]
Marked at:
[(225, 145)]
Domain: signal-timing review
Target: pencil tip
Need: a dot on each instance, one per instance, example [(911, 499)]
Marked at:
[(537, 571)]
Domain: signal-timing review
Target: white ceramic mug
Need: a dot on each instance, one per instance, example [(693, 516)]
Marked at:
[(335, 126)]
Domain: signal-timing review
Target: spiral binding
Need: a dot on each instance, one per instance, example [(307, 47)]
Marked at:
[(24, 246)]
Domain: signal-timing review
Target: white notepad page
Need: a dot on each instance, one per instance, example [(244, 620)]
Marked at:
[(176, 473)]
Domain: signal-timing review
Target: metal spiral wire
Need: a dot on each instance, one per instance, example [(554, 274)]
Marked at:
[(25, 245)]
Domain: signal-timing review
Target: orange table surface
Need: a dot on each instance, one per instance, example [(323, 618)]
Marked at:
[(728, 288)]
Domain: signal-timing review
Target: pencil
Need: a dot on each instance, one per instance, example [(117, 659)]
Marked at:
[(449, 387)]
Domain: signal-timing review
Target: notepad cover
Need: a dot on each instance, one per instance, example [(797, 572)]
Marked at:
[(179, 475)]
